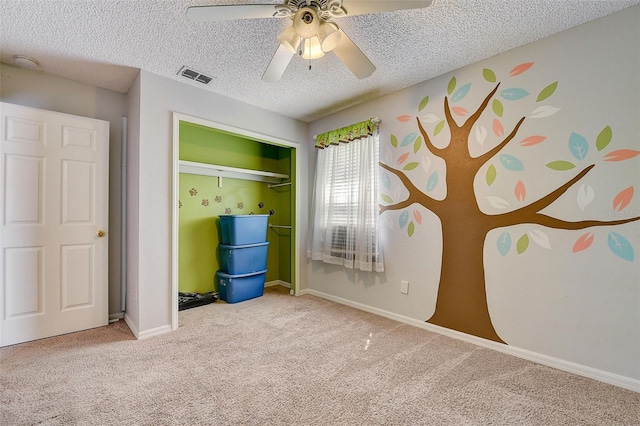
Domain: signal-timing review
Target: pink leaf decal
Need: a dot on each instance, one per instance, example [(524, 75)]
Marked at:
[(403, 158), (532, 140), (583, 243), (417, 216), (520, 69), (459, 111), (621, 154), (623, 198), (520, 191), (497, 127), (403, 118)]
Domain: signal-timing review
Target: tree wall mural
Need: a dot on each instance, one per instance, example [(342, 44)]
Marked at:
[(461, 300)]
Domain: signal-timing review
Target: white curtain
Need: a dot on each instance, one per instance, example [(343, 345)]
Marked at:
[(344, 211)]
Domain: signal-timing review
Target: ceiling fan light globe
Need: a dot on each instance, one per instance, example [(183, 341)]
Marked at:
[(290, 39), (312, 49), (329, 36), (306, 22)]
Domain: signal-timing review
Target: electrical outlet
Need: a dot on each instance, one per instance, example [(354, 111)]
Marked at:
[(404, 287)]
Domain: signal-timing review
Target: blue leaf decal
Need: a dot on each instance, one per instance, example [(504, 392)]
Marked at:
[(504, 243), (578, 146), (409, 139), (385, 180), (620, 246), (404, 218), (511, 163), (514, 94), (461, 93), (432, 182)]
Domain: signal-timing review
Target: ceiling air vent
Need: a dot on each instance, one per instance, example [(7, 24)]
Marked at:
[(194, 75)]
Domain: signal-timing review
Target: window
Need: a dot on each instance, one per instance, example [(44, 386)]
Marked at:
[(344, 222)]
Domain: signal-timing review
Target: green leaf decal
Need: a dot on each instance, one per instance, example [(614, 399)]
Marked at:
[(394, 141), (438, 128), (489, 75), (497, 107), (561, 165), (547, 91), (522, 244), (411, 166), (491, 174), (417, 144), (452, 85), (423, 103), (604, 138), (411, 229), (386, 198)]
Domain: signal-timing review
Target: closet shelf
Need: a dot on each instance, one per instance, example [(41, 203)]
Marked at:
[(194, 168)]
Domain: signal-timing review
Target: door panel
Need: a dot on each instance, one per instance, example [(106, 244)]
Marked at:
[(78, 192), (24, 183), (26, 296), (54, 183)]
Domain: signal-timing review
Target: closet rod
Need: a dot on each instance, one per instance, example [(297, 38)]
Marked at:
[(280, 226), (279, 184)]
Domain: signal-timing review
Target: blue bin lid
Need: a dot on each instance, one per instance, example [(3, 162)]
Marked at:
[(229, 247), (225, 275)]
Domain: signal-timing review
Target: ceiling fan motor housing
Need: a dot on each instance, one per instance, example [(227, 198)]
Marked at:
[(306, 22)]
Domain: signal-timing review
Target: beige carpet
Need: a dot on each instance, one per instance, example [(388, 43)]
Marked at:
[(282, 360)]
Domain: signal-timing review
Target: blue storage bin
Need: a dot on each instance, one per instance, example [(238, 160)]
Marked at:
[(242, 229), (237, 288), (243, 259)]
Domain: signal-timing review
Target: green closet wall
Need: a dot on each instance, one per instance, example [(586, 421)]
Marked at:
[(201, 201)]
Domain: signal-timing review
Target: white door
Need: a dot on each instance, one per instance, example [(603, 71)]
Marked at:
[(53, 223)]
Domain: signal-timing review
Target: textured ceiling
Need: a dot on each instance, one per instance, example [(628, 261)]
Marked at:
[(105, 42)]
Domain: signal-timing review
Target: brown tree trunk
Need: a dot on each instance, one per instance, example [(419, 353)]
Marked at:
[(462, 299)]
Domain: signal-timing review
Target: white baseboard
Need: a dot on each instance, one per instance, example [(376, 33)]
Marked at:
[(277, 282), (560, 364), (131, 326), (116, 317), (145, 334)]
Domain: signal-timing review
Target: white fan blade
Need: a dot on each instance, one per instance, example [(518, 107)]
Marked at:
[(230, 12), (278, 64), (360, 7), (353, 57)]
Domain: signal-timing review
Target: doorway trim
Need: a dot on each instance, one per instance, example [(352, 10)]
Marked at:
[(259, 137)]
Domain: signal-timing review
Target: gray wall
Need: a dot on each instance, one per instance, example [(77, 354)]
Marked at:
[(150, 220), (580, 308)]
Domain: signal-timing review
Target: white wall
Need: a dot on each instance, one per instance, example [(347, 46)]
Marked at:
[(159, 98), (38, 90), (582, 308)]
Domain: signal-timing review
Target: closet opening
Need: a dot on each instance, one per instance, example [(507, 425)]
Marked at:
[(223, 170)]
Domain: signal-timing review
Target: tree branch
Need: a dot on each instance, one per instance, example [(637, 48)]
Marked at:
[(476, 115), (450, 120), (552, 222), (531, 212), (485, 157), (415, 195), (427, 141)]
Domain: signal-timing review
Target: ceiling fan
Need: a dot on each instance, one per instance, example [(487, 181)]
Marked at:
[(313, 31)]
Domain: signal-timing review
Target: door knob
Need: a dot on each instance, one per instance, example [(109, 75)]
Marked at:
[(101, 233)]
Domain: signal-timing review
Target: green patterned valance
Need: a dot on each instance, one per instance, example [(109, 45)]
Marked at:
[(346, 134)]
